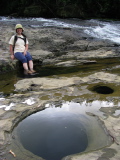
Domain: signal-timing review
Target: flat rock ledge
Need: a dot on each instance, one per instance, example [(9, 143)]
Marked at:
[(43, 91), (56, 83), (55, 45)]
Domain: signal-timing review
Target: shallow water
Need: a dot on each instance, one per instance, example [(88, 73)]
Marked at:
[(7, 80)]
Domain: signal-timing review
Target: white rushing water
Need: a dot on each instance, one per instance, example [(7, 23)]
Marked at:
[(99, 29), (106, 30)]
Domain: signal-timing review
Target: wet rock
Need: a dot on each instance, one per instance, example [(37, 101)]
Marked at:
[(55, 44), (44, 83), (74, 63), (54, 83), (62, 47)]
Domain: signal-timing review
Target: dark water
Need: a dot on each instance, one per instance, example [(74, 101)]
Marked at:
[(7, 80), (53, 134), (108, 64), (103, 89)]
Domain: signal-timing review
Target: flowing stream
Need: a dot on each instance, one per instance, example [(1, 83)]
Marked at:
[(109, 30)]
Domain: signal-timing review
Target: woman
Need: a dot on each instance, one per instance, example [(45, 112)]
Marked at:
[(19, 49)]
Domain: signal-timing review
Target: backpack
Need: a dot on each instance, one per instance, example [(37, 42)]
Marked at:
[(15, 39)]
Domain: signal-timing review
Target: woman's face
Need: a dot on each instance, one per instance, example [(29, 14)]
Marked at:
[(19, 31)]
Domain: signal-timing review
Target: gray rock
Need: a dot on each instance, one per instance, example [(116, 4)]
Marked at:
[(53, 45)]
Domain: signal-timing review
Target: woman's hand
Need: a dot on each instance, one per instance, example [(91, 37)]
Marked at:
[(24, 53), (12, 57), (11, 52)]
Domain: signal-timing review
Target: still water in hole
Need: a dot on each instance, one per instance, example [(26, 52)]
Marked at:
[(53, 134), (58, 131)]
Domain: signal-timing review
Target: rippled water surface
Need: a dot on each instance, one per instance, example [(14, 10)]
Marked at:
[(109, 30)]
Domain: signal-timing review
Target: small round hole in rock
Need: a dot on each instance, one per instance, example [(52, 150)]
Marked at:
[(103, 89)]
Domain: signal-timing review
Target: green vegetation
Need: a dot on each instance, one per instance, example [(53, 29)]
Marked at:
[(61, 8)]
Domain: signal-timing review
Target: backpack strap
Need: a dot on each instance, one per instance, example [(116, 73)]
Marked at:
[(15, 39), (25, 38)]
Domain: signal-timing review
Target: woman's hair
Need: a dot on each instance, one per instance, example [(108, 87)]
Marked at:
[(24, 35)]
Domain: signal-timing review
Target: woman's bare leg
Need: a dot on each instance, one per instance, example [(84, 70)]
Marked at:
[(26, 70), (25, 66), (31, 66)]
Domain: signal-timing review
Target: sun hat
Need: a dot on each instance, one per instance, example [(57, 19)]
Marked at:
[(18, 26)]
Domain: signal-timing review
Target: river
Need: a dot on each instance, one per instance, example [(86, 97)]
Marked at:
[(109, 30)]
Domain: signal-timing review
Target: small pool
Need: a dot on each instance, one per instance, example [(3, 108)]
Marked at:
[(7, 80), (59, 131)]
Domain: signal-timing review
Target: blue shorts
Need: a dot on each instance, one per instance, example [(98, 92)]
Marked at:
[(23, 58)]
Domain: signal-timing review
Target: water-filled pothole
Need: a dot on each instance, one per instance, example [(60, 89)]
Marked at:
[(53, 136), (103, 89), (60, 131)]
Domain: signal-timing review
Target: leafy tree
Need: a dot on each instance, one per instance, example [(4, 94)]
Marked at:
[(62, 8)]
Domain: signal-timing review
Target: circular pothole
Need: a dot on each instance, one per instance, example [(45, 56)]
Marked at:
[(52, 135), (102, 89), (57, 132)]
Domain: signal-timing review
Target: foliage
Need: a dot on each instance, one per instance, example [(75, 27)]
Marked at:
[(62, 8)]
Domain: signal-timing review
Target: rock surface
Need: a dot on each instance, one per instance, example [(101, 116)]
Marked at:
[(61, 47), (55, 45)]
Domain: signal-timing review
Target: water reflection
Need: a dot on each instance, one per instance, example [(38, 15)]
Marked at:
[(62, 130), (92, 107), (8, 80), (117, 113), (53, 134)]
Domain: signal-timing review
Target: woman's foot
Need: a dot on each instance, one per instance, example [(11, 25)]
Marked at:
[(32, 70), (26, 72)]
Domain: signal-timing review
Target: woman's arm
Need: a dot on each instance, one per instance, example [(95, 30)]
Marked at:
[(11, 51)]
